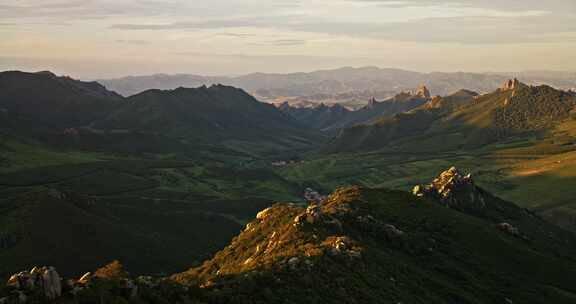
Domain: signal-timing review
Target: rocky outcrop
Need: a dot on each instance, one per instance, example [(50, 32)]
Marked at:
[(508, 228), (343, 246), (445, 184), (43, 279), (511, 84), (423, 92)]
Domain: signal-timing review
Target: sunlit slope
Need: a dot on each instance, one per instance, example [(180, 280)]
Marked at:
[(507, 112), (381, 246)]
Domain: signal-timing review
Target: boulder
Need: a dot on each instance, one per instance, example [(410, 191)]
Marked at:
[(508, 228), (45, 278), (299, 220), (392, 232), (313, 214), (263, 214), (52, 283), (85, 279), (293, 263)]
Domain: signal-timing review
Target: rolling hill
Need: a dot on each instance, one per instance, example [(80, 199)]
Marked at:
[(340, 85), (168, 214), (74, 115), (47, 100), (515, 109)]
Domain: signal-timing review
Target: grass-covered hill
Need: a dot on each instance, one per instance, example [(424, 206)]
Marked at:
[(155, 216), (215, 114), (449, 242), (476, 121), (382, 246), (56, 102), (219, 121)]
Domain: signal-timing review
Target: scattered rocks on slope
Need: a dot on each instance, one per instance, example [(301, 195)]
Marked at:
[(298, 264), (343, 246)]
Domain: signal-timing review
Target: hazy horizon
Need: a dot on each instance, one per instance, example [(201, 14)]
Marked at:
[(105, 39)]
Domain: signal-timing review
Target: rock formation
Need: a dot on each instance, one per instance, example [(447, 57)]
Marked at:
[(423, 92), (444, 185), (511, 84), (43, 279)]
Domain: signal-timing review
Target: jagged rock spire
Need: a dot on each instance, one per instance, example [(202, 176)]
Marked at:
[(423, 92), (372, 102), (511, 84)]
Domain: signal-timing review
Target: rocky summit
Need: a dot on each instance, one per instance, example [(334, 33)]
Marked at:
[(423, 92)]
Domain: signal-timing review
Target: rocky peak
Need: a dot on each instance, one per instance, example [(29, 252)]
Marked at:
[(371, 103), (423, 92), (445, 185), (45, 279), (511, 84)]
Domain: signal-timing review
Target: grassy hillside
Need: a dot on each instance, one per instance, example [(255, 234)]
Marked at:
[(387, 247), (482, 120), (172, 213), (518, 169)]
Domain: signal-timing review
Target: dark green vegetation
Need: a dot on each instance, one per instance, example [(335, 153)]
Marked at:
[(206, 123), (391, 247), (218, 114), (45, 101), (166, 215), (373, 246), (159, 180)]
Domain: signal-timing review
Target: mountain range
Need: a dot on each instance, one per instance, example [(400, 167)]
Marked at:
[(347, 85), (465, 120), (86, 115), (335, 117), (208, 195)]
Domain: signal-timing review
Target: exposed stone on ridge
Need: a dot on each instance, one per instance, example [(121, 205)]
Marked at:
[(444, 184), (45, 279), (511, 84), (423, 92)]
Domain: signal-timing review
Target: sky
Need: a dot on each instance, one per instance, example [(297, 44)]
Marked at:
[(93, 39)]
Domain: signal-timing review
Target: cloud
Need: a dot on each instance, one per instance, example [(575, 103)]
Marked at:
[(284, 42), (133, 42), (508, 5)]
